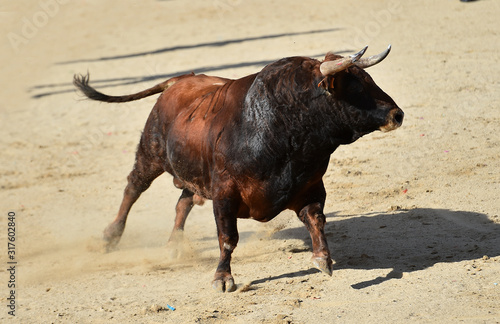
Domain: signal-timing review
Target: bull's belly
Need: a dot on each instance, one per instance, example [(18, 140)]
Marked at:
[(262, 214), (254, 203), (262, 203)]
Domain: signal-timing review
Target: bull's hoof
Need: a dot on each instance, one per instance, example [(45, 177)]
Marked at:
[(175, 250), (110, 243), (324, 264), (224, 284), (112, 235), (110, 246), (176, 237), (175, 245), (97, 245)]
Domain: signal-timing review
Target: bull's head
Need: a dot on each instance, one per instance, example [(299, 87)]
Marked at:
[(348, 83)]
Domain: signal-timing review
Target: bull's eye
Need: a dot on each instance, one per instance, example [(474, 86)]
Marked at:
[(354, 86)]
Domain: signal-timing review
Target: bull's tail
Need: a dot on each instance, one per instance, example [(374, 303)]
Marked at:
[(82, 83)]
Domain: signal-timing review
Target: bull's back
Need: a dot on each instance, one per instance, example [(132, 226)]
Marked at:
[(196, 114)]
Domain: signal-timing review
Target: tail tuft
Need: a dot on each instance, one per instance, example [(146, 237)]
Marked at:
[(82, 82)]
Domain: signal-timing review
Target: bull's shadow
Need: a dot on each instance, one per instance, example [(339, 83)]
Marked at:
[(44, 90), (220, 43), (404, 241)]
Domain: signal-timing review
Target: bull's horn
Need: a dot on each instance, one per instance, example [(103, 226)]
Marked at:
[(332, 67), (374, 59)]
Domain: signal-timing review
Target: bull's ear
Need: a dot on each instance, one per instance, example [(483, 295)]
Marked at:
[(330, 56), (327, 83)]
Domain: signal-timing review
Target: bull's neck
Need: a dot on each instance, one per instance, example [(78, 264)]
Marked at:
[(308, 129)]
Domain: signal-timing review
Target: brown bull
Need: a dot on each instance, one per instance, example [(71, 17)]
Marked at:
[(255, 146)]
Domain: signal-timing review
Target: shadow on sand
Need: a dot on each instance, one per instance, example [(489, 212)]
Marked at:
[(67, 87), (403, 241), (44, 90), (200, 45)]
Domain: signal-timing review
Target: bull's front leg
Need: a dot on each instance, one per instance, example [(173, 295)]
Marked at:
[(225, 217), (314, 219)]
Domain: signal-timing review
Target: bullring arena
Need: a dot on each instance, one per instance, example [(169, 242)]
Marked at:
[(413, 221)]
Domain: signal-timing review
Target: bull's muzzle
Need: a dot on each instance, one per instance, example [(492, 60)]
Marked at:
[(394, 120)]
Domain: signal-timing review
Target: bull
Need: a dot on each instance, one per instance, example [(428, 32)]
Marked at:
[(255, 146)]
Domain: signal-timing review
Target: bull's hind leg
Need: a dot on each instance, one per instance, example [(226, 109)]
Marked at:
[(184, 205), (182, 209), (141, 177)]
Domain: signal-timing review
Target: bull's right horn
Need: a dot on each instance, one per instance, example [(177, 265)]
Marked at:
[(374, 59), (332, 67)]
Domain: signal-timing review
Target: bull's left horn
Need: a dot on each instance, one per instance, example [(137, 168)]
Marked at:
[(374, 59), (332, 67)]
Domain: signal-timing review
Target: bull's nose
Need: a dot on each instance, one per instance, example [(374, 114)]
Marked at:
[(394, 120), (398, 117)]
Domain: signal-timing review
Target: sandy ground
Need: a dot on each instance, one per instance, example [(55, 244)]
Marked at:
[(413, 215)]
